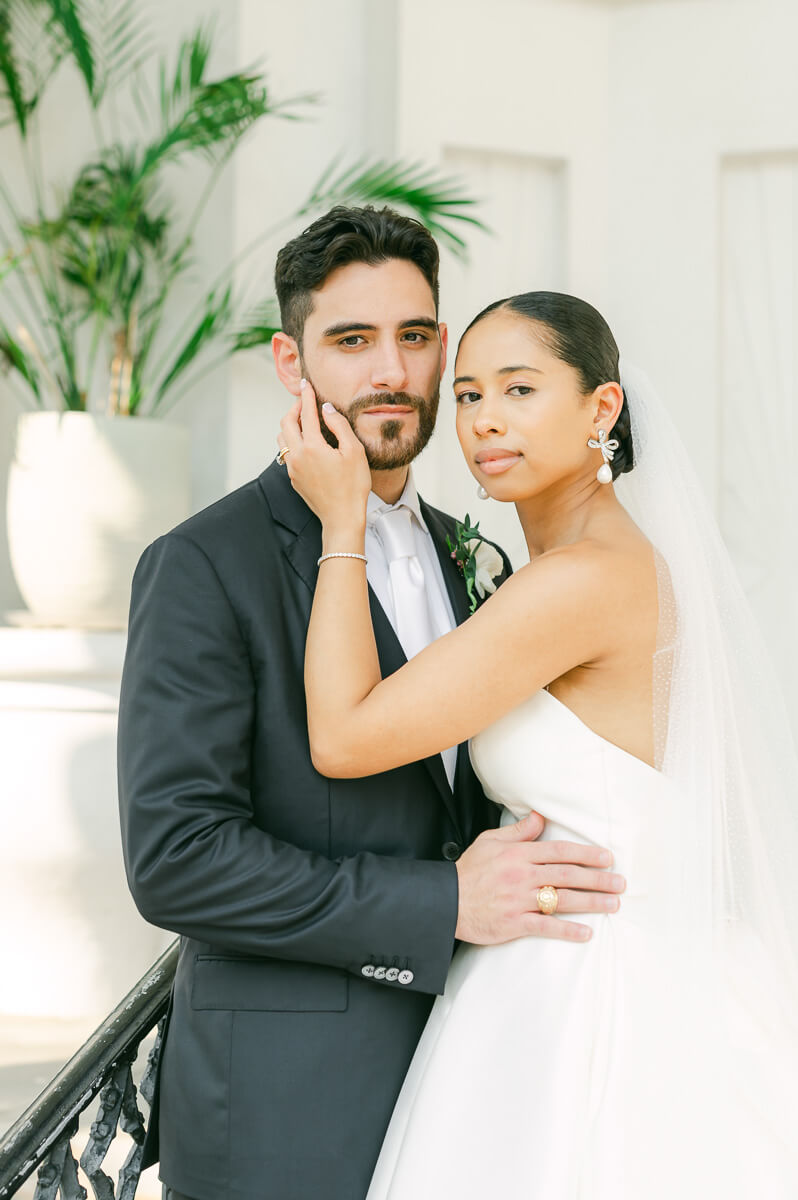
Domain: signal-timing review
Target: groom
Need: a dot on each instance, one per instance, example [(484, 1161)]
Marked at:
[(318, 917)]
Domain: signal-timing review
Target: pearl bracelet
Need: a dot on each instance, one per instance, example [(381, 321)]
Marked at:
[(341, 554)]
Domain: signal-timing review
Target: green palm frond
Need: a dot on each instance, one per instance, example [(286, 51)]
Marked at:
[(436, 200), (8, 264), (213, 324), (257, 327), (198, 115), (17, 358), (29, 54), (120, 40), (205, 116), (192, 63), (14, 92), (219, 115), (67, 18), (111, 229)]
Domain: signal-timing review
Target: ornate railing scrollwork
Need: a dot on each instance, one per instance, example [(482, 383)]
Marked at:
[(42, 1137)]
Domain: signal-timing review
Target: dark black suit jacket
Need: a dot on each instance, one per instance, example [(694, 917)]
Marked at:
[(317, 915)]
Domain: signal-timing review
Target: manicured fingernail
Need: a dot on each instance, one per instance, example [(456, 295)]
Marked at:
[(605, 858), (327, 407), (584, 934), (303, 383)]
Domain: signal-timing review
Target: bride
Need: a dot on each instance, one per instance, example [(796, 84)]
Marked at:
[(615, 684)]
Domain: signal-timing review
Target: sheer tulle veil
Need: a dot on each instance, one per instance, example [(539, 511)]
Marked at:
[(727, 848)]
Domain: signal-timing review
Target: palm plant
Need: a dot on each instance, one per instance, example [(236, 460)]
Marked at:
[(88, 284)]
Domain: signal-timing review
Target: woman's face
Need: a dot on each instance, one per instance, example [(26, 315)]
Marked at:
[(522, 420)]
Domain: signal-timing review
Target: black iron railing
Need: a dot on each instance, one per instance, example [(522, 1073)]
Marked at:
[(42, 1137)]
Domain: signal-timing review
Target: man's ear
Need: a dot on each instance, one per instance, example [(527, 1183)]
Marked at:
[(287, 361), (443, 330)]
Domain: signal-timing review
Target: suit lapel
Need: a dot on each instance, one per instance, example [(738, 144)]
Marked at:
[(303, 551), (290, 511)]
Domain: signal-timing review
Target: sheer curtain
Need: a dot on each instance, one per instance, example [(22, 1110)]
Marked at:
[(758, 407)]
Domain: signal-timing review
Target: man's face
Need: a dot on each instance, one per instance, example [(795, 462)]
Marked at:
[(373, 348)]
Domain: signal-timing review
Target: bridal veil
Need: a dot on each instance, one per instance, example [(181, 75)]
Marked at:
[(727, 848)]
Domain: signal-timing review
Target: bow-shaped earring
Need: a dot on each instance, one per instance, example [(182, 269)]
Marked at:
[(607, 448)]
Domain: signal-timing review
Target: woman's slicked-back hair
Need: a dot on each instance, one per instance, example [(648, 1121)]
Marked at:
[(578, 334), (340, 237)]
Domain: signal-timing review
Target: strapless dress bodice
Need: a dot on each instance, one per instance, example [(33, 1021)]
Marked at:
[(541, 756)]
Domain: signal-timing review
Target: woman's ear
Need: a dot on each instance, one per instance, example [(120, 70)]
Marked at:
[(607, 405), (288, 362)]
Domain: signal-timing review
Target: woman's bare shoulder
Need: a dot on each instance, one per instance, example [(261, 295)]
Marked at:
[(608, 579), (619, 558)]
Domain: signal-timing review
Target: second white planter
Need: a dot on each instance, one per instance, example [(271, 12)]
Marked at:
[(86, 494)]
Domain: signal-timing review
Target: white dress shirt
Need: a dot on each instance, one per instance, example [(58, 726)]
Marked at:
[(377, 572)]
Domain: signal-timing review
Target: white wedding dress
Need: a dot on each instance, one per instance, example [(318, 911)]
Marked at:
[(598, 1071)]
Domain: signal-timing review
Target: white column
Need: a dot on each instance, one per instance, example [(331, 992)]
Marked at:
[(71, 940)]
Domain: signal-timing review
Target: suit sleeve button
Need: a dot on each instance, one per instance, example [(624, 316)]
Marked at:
[(406, 977), (379, 973), (392, 974), (451, 851), (367, 969)]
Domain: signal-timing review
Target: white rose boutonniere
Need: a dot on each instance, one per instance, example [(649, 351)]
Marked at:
[(489, 567), (479, 562)]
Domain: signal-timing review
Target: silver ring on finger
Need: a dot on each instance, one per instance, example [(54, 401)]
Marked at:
[(548, 899)]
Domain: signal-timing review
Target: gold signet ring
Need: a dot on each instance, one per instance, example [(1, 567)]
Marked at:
[(548, 899)]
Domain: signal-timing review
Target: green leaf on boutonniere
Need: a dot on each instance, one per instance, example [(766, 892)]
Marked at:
[(463, 550)]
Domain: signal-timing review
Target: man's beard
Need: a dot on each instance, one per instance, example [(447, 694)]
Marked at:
[(393, 449)]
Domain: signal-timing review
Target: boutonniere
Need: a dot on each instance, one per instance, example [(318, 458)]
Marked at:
[(480, 563)]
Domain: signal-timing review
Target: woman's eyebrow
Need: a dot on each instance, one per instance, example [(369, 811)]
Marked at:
[(518, 367), (500, 371)]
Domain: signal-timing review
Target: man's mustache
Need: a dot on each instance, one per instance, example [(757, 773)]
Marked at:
[(385, 400)]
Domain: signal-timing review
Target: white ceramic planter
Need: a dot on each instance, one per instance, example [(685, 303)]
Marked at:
[(86, 494)]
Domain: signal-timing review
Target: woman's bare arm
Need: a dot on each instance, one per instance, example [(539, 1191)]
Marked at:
[(549, 617), (545, 620)]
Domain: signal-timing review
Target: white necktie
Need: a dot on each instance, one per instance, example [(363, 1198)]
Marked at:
[(413, 623)]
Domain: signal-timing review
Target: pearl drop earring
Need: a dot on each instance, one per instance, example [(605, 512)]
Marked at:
[(607, 448), (483, 495)]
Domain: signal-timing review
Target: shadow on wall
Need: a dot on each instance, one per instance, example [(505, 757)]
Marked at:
[(9, 592)]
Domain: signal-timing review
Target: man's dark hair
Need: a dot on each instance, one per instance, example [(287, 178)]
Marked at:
[(343, 236)]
